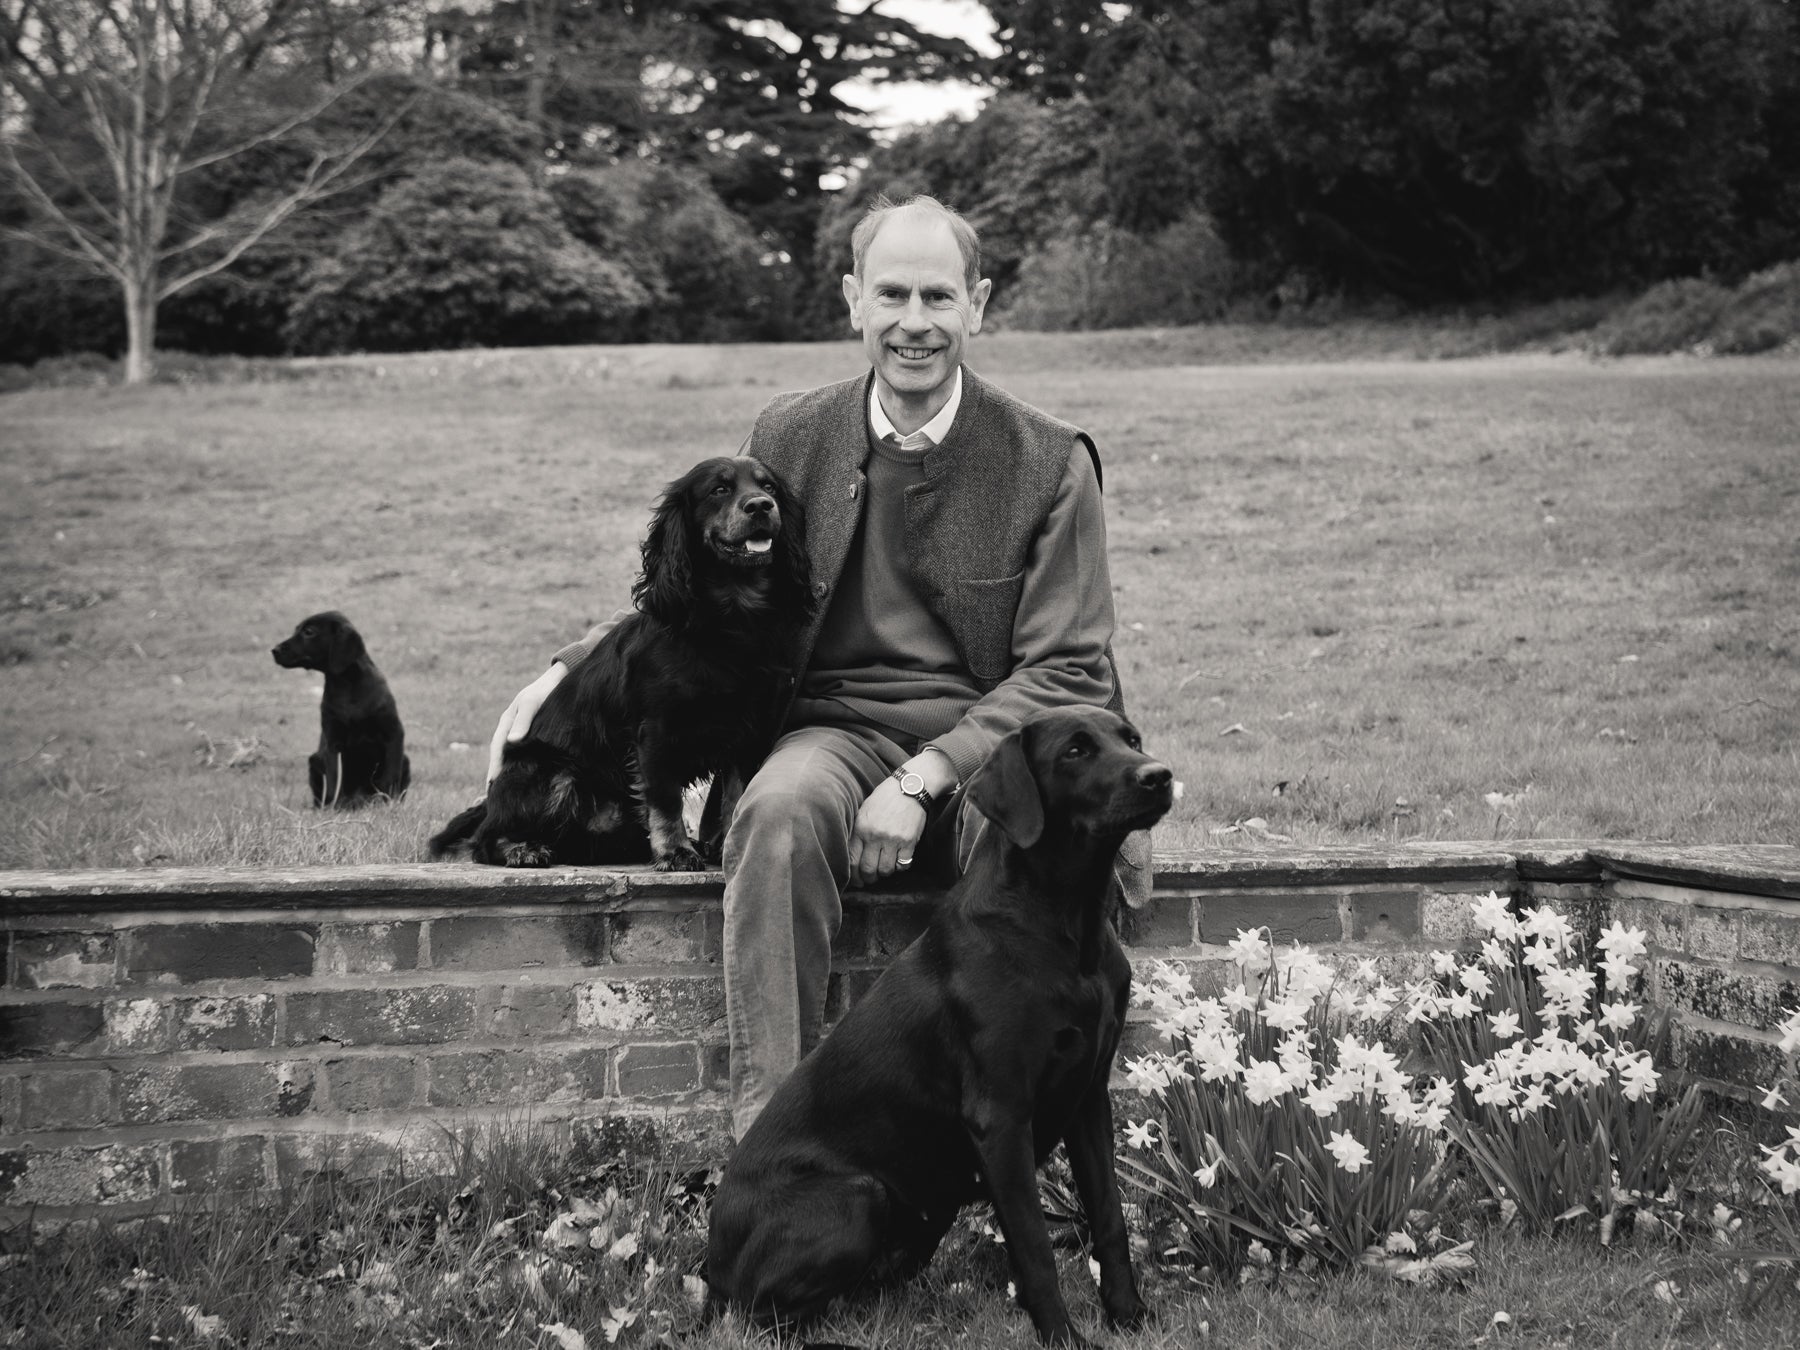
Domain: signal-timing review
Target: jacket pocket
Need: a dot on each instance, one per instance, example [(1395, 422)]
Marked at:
[(981, 615)]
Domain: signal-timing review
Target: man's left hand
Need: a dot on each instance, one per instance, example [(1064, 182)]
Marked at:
[(890, 823)]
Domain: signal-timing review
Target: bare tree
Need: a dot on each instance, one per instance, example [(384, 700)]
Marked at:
[(109, 107)]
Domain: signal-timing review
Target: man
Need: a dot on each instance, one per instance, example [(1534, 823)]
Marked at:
[(958, 549)]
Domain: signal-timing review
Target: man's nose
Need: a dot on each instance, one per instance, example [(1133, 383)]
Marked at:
[(915, 318)]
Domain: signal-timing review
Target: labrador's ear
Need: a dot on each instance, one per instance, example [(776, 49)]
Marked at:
[(1005, 790)]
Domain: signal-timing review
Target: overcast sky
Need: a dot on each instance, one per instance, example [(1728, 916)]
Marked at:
[(907, 101)]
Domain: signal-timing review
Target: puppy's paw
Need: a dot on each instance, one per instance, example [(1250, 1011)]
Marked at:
[(526, 855), (1126, 1313), (682, 858)]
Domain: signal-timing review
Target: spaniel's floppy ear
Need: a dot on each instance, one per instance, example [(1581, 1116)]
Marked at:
[(1005, 790), (664, 590), (796, 567)]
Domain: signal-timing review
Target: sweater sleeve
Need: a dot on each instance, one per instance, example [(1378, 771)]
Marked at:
[(1061, 630), (583, 647)]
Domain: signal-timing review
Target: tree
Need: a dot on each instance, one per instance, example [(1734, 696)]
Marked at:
[(111, 110)]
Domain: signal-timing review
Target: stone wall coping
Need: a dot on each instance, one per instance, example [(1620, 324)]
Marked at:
[(1763, 869)]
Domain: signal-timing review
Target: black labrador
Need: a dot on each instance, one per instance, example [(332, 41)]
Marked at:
[(685, 688), (987, 1042), (362, 746)]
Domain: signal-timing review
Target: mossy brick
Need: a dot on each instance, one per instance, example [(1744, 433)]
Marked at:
[(532, 1010), (1382, 916), (371, 1082), (851, 942), (71, 1100), (482, 1078), (1728, 1059), (1726, 994), (1165, 921), (138, 1026), (1766, 935), (1663, 924), (893, 928), (226, 1022), (187, 953), (215, 1165), (658, 1070), (115, 1173), (1448, 918), (1713, 932), (415, 1016), (51, 1030), (65, 960), (653, 938), (675, 1004), (367, 948), (357, 1155), (488, 943), (165, 1092), (1291, 916)]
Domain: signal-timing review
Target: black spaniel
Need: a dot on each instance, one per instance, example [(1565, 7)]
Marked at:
[(687, 687), (362, 746)]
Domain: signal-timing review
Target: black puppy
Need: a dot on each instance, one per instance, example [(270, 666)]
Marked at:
[(685, 688), (987, 1041), (362, 746)]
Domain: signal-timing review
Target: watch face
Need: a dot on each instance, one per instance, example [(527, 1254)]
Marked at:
[(912, 784)]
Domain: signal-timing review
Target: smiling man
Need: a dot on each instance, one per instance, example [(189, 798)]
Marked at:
[(958, 551)]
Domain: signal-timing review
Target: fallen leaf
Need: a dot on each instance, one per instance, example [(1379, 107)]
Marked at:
[(1235, 729)]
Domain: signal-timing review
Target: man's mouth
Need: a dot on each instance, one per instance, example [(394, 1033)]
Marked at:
[(914, 353)]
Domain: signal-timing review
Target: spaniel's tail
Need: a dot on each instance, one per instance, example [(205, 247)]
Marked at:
[(459, 830)]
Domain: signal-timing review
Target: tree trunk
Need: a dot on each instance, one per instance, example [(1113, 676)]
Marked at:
[(140, 330)]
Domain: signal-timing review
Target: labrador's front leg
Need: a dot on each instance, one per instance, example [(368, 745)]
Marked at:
[(1006, 1162)]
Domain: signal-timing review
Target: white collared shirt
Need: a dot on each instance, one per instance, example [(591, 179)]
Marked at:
[(937, 428)]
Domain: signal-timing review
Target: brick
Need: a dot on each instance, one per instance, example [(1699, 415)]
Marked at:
[(1728, 1059), (670, 1004), (1766, 936), (206, 1165), (1660, 922), (67, 1101), (1138, 1039), (1712, 932), (1726, 995), (1166, 921), (715, 1065), (46, 1030), (244, 1022), (852, 940), (383, 1016), (1382, 916), (371, 1083), (367, 948), (712, 941), (658, 1070), (483, 943), (852, 986), (65, 960), (12, 1103), (533, 1010), (1208, 976), (1292, 917), (185, 953), (655, 939), (1448, 918), (214, 1092), (79, 1176), (356, 1156), (515, 1078), (893, 928), (138, 1026)]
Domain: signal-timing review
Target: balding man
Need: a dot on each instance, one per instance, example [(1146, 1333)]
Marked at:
[(958, 550)]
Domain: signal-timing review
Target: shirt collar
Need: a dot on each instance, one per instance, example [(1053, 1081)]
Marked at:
[(937, 428)]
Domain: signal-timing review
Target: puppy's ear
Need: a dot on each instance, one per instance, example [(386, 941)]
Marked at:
[(665, 587), (1005, 790), (343, 646)]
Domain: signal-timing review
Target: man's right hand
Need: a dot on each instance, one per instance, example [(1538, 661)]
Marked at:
[(515, 722)]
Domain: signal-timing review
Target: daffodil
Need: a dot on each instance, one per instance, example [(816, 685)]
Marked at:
[(1351, 1154), (1141, 1134)]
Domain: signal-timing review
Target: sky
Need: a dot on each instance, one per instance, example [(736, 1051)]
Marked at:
[(904, 102)]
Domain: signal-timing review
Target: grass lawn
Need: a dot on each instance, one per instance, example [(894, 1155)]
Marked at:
[(1355, 596)]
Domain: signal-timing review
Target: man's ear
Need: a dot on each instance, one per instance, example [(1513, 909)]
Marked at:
[(978, 299), (853, 298), (1005, 790)]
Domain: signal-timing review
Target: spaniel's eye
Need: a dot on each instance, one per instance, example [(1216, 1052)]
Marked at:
[(1075, 751), (720, 489)]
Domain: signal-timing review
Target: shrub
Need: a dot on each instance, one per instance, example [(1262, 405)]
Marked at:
[(1762, 314), (462, 254), (1110, 278), (1672, 316)]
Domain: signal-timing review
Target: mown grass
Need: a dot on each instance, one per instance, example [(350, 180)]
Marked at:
[(499, 1250), (1355, 596)]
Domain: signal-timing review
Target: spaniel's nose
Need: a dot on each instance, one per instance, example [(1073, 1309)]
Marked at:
[(758, 505)]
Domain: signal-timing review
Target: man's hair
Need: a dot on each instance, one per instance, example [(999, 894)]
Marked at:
[(967, 242)]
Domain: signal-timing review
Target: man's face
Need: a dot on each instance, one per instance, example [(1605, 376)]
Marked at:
[(914, 310)]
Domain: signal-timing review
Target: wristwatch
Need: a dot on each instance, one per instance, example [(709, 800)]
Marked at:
[(913, 785)]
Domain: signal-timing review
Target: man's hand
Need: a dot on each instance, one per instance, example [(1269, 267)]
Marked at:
[(890, 823), (515, 722)]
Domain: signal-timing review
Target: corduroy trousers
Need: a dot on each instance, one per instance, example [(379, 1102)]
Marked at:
[(787, 860)]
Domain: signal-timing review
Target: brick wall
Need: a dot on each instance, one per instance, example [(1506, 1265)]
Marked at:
[(164, 1032)]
